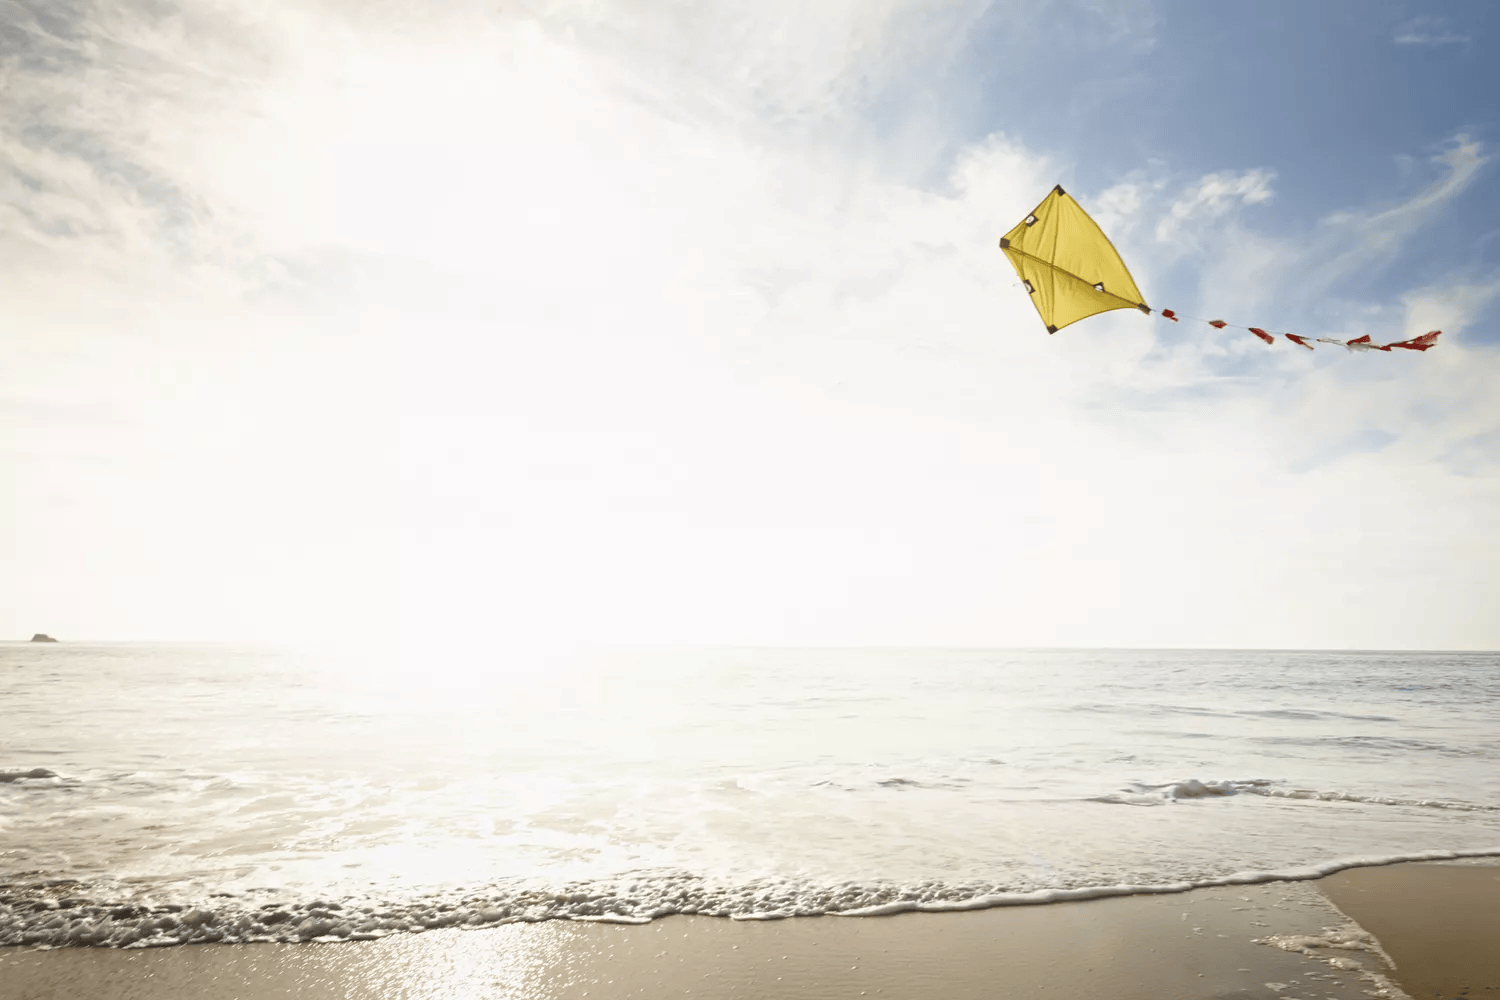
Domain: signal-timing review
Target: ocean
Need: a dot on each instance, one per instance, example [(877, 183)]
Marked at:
[(166, 794)]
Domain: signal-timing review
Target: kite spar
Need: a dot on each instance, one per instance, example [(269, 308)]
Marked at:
[(1072, 271)]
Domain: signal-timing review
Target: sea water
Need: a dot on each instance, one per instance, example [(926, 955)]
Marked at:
[(161, 794)]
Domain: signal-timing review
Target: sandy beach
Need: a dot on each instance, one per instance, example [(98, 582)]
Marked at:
[(1283, 940), (1439, 923)]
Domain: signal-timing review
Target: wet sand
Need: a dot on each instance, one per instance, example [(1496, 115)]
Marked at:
[(1201, 944), (1440, 924)]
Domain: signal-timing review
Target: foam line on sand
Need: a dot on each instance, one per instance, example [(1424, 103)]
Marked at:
[(1205, 943)]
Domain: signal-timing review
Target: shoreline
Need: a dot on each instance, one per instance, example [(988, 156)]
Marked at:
[(1281, 939), (51, 914)]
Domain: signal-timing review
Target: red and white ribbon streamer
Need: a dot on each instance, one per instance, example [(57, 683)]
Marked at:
[(1364, 343)]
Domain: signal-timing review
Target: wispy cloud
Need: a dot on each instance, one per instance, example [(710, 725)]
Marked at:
[(1369, 239), (1246, 271), (1428, 31), (1211, 198)]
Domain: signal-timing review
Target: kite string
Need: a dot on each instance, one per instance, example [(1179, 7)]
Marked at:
[(1268, 336), (1217, 323)]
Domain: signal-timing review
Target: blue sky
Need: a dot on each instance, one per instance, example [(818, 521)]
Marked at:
[(1343, 101), (595, 321)]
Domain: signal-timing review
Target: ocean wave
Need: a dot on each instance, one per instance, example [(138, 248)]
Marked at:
[(1313, 715), (63, 913), (1161, 709), (1192, 788), (1384, 745)]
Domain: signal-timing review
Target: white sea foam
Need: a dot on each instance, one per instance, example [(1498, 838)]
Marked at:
[(36, 916), (1333, 946)]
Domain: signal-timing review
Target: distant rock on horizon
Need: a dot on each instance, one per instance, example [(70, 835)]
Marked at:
[(42, 637)]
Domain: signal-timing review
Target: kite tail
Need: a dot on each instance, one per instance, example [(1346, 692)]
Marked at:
[(1364, 343)]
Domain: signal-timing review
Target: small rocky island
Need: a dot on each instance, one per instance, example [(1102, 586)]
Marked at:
[(42, 637)]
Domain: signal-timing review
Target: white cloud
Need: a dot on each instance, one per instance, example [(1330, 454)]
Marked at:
[(1369, 239), (1246, 273), (1428, 31), (1214, 196)]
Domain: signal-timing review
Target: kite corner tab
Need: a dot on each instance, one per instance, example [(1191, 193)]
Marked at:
[(1004, 242), (1059, 189), (1051, 328), (1143, 308)]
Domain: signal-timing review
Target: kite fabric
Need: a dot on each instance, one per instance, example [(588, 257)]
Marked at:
[(1068, 265), (1072, 271)]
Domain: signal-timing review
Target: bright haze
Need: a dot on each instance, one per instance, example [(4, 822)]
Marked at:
[(656, 323)]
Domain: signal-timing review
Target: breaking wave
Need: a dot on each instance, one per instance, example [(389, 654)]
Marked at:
[(58, 914), (1155, 795)]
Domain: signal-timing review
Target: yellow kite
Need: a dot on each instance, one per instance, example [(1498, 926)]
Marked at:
[(1073, 272), (1068, 265)]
